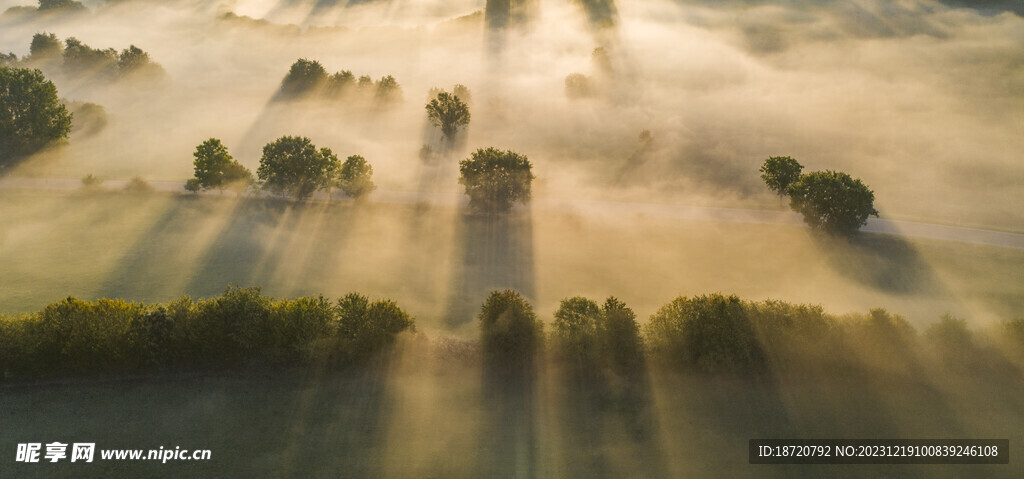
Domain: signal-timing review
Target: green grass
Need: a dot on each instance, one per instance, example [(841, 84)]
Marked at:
[(440, 263)]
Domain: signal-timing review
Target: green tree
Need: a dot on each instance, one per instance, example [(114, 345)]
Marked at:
[(778, 172), (574, 330), (81, 58), (134, 59), (45, 46), (707, 333), (355, 177), (292, 165), (303, 77), (495, 179), (832, 201), (60, 4), (214, 167), (510, 331), (31, 115), (618, 337), (340, 83), (365, 328), (448, 112)]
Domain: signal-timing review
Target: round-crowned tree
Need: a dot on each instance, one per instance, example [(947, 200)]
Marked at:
[(355, 177), (31, 116), (293, 166), (495, 179), (214, 168), (778, 172), (832, 201), (303, 77), (448, 112), (511, 334)]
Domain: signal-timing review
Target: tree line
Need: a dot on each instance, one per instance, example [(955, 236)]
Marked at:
[(73, 57), (710, 334), (242, 328), (309, 79)]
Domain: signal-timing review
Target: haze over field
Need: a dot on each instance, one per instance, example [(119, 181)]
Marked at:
[(646, 123), (919, 99)]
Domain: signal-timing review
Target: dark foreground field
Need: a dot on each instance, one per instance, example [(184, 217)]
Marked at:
[(434, 414)]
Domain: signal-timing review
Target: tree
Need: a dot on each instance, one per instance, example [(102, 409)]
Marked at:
[(388, 90), (59, 4), (832, 201), (45, 46), (577, 85), (340, 83), (134, 59), (618, 337), (214, 167), (365, 328), (292, 165), (510, 332), (496, 179), (354, 178), (79, 57), (448, 112), (303, 77), (778, 172), (710, 334), (462, 91), (31, 115), (574, 330)]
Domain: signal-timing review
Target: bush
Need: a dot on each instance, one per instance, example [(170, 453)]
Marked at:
[(91, 181), (304, 77), (138, 185)]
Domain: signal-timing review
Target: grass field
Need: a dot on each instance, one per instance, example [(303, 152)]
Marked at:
[(425, 415), (440, 263)]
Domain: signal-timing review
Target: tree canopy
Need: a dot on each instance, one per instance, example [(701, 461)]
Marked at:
[(45, 46), (778, 172), (448, 112), (832, 201), (354, 178), (31, 115), (510, 331), (303, 77), (495, 179), (214, 167), (292, 165)]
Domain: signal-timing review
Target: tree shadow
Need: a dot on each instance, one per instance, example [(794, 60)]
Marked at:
[(607, 422), (493, 252), (882, 262), (509, 436)]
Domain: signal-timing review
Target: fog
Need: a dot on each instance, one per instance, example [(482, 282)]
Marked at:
[(922, 100)]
